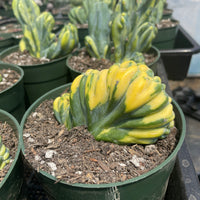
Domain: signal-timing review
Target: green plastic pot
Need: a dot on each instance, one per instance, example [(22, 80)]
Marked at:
[(167, 13), (39, 79), (7, 12), (153, 65), (12, 99), (151, 185), (7, 40), (10, 186), (165, 37), (82, 32)]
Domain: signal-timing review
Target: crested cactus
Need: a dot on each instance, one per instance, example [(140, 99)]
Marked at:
[(38, 38), (124, 104), (98, 42), (4, 155)]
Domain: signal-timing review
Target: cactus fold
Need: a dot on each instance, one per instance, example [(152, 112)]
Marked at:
[(4, 155), (38, 38), (124, 104)]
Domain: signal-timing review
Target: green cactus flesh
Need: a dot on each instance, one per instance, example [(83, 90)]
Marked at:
[(98, 41)]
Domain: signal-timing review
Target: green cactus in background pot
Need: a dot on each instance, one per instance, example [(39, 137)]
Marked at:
[(37, 27), (79, 14), (121, 29), (98, 42), (4, 155), (124, 104)]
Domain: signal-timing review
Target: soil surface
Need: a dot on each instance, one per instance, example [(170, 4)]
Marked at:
[(10, 140), (82, 61), (23, 58), (76, 157), (10, 28), (9, 78), (166, 23)]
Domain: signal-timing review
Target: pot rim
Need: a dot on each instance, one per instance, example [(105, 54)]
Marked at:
[(19, 70), (152, 48), (107, 185), (14, 48), (17, 154)]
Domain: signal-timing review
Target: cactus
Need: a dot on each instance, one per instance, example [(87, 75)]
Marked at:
[(37, 29), (98, 42), (1, 78), (4, 155), (76, 2), (124, 104), (157, 12), (79, 14), (129, 35)]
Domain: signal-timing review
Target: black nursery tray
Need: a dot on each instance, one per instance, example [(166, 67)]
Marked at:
[(177, 60), (183, 183)]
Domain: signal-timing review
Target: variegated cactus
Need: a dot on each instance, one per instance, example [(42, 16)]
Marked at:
[(124, 104), (79, 14), (4, 155), (76, 2), (98, 42), (157, 12), (37, 29), (130, 36)]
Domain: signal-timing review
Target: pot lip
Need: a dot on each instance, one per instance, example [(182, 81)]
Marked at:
[(18, 130), (158, 55), (108, 185), (13, 67), (170, 28), (152, 48), (14, 48)]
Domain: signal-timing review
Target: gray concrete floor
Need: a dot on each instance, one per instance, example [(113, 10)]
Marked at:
[(193, 126)]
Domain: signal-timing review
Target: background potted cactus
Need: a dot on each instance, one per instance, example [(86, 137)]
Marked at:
[(44, 52), (11, 168), (12, 90), (78, 15), (103, 101), (121, 34)]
